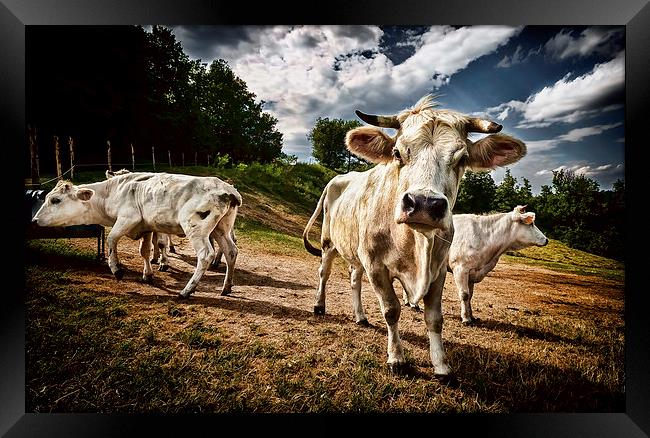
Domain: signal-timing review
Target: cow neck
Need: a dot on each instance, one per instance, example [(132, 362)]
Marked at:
[(98, 202), (500, 238)]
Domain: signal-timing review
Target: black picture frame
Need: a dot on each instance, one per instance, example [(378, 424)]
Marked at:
[(633, 14)]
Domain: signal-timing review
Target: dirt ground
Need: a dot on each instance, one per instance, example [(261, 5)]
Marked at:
[(276, 294)]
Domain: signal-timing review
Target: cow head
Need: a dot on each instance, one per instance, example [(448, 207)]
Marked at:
[(526, 232), (430, 154), (65, 205)]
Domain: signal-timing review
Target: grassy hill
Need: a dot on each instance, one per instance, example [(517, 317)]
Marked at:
[(280, 198)]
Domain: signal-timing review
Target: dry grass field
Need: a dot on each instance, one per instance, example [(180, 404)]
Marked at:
[(547, 340)]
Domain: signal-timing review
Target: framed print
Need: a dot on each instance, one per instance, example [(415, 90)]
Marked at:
[(304, 210)]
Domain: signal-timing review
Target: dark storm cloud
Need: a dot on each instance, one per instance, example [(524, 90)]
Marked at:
[(200, 41)]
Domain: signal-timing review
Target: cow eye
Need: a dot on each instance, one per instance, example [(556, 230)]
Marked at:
[(397, 155), (55, 200)]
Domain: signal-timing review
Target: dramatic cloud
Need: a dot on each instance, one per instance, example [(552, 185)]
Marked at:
[(586, 169), (575, 135), (593, 40), (305, 72), (571, 100)]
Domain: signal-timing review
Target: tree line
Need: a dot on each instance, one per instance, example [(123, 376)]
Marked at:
[(129, 86)]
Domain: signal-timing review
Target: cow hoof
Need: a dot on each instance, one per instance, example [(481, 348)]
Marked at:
[(154, 261), (319, 310), (119, 274), (397, 368), (447, 379), (147, 279), (172, 250), (226, 291), (183, 297), (442, 371), (470, 322), (163, 268), (415, 308), (363, 323)]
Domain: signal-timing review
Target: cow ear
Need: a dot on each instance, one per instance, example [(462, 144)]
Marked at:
[(495, 150), (85, 194), (371, 144), (527, 218)]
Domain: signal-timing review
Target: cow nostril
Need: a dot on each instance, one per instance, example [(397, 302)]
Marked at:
[(408, 204), (436, 207)]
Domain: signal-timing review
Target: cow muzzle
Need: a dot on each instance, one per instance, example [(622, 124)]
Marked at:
[(423, 209)]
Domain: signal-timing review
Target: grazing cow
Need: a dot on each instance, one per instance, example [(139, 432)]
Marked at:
[(136, 204), (390, 220), (478, 243)]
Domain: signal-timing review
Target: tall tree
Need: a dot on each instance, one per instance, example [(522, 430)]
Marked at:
[(507, 196), (328, 143)]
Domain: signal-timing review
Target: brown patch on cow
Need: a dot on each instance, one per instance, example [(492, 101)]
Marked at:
[(203, 214), (230, 199), (379, 244)]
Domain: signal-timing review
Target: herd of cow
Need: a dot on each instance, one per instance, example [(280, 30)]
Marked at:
[(393, 221)]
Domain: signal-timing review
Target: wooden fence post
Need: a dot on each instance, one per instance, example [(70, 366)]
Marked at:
[(33, 152), (208, 160), (153, 157), (183, 158), (110, 158), (71, 145), (57, 155), (132, 157), (196, 154), (169, 156)]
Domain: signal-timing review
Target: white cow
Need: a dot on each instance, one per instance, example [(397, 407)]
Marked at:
[(136, 204), (478, 243), (386, 220), (161, 242)]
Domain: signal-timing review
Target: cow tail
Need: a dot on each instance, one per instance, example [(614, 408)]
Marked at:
[(305, 234)]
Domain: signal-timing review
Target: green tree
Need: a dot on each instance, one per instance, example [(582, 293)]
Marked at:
[(476, 193), (238, 126), (328, 144), (507, 194)]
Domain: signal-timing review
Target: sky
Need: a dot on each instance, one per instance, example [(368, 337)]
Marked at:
[(559, 89)]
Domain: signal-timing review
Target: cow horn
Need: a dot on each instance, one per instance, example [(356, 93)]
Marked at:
[(381, 121), (481, 125)]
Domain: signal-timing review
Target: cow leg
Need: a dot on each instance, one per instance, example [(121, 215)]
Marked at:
[(324, 273), (145, 252), (433, 321), (356, 276), (229, 250), (162, 245), (219, 256), (199, 230), (217, 259), (390, 308), (120, 228), (156, 250), (461, 278), (204, 256)]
